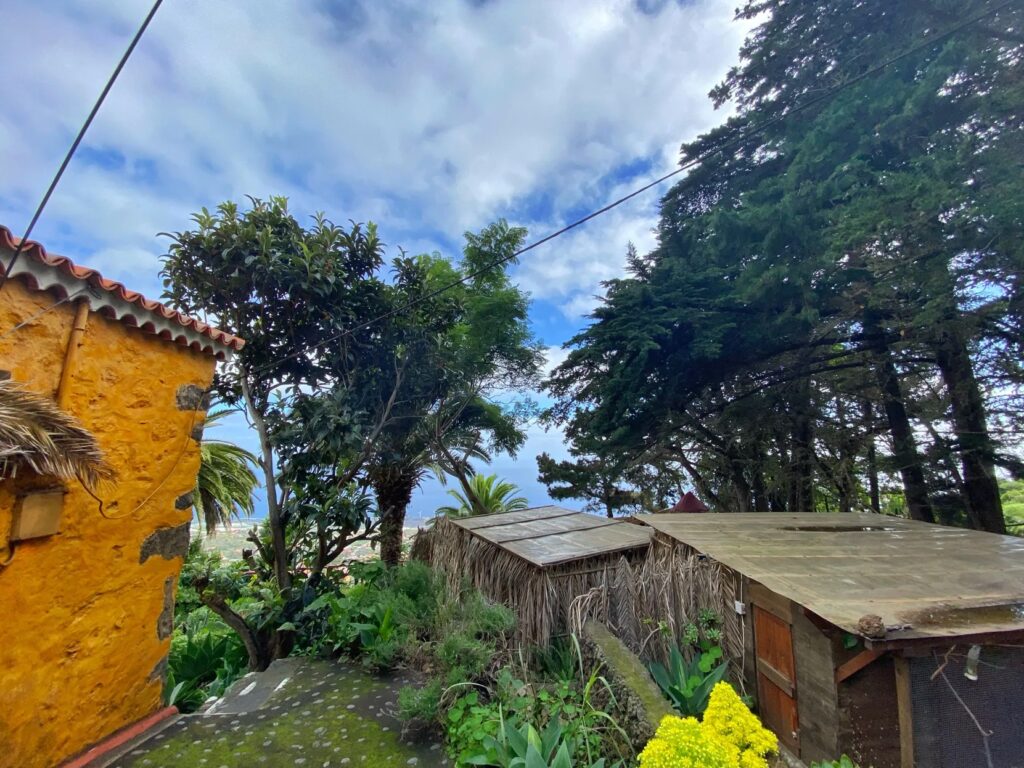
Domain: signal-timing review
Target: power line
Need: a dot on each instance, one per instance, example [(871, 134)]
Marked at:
[(78, 140), (40, 313), (737, 139)]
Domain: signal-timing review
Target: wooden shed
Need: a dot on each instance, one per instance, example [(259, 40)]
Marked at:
[(897, 642), (537, 561)]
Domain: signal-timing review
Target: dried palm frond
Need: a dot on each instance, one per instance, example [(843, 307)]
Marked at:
[(37, 434)]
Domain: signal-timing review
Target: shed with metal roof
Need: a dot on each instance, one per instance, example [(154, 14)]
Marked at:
[(897, 642)]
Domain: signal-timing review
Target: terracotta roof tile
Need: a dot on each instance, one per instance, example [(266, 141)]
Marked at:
[(115, 300)]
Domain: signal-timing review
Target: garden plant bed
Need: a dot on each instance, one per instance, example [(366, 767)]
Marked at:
[(327, 714)]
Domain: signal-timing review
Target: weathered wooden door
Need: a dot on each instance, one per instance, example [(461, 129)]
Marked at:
[(776, 676)]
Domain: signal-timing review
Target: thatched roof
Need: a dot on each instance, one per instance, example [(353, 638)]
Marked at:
[(547, 536), (36, 434)]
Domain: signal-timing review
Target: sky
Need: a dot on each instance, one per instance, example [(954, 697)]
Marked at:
[(430, 119)]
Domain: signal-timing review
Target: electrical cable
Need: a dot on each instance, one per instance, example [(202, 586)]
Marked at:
[(37, 315), (4, 273), (181, 454), (737, 139)]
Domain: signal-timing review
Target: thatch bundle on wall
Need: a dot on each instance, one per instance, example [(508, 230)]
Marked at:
[(648, 607), (36, 434), (538, 561), (675, 585)]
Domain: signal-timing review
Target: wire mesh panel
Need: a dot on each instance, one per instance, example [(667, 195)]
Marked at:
[(965, 723)]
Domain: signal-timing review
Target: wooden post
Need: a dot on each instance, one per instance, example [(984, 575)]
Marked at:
[(71, 353), (905, 710)]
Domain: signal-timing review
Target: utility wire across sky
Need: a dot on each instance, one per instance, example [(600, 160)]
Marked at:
[(78, 140), (740, 137), (737, 139)]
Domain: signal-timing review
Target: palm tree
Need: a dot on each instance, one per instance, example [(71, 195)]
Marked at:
[(491, 495), (225, 484)]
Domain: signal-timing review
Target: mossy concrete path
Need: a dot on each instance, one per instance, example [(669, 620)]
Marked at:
[(301, 712)]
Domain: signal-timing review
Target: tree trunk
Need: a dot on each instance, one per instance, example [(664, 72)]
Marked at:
[(258, 650), (801, 493), (981, 490), (759, 489), (280, 547), (459, 472), (908, 460), (393, 487), (741, 488), (872, 460)]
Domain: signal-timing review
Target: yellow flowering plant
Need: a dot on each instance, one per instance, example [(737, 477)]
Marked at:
[(730, 736)]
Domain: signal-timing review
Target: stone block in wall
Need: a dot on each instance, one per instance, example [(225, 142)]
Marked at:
[(169, 542), (165, 622), (191, 397)]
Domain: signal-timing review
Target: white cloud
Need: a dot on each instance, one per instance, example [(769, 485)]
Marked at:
[(554, 357), (432, 117)]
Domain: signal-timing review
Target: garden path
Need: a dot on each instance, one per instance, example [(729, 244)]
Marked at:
[(301, 712)]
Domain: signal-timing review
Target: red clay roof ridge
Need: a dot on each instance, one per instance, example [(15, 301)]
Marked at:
[(56, 274)]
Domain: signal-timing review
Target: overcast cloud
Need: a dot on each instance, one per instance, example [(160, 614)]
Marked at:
[(429, 118)]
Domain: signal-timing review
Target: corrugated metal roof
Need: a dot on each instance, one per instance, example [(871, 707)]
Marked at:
[(924, 581), (547, 536)]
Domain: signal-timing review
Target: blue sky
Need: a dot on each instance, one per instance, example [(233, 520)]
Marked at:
[(429, 118)]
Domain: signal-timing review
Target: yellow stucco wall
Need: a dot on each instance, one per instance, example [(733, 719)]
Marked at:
[(80, 652)]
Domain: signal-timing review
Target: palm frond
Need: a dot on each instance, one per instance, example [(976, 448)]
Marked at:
[(492, 494), (37, 434), (226, 481)]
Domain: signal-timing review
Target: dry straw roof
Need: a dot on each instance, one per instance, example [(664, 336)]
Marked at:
[(548, 536), (925, 581)]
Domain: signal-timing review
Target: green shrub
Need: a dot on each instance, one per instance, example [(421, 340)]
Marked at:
[(463, 651), (419, 583), (560, 660), (524, 745), (420, 704), (484, 618), (468, 723), (205, 658), (688, 684), (842, 762)]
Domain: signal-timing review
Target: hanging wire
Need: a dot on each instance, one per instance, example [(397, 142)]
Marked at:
[(737, 139), (5, 272)]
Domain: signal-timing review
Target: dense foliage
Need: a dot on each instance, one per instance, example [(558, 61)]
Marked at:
[(833, 310), (563, 708), (356, 380)]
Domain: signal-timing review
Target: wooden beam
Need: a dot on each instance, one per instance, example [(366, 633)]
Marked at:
[(773, 603), (905, 710), (911, 644), (826, 627), (780, 680), (856, 664)]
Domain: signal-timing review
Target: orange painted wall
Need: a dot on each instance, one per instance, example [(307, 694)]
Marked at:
[(80, 653)]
